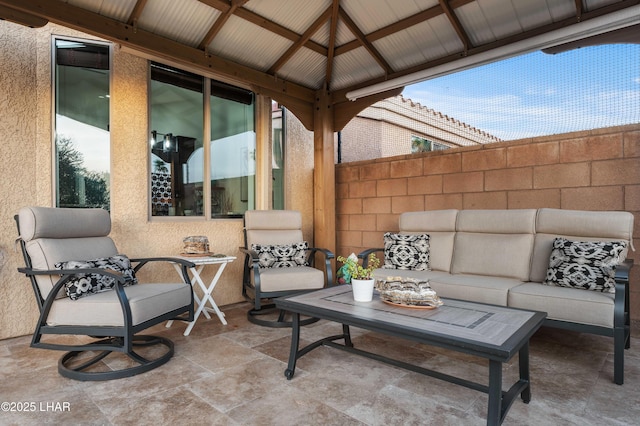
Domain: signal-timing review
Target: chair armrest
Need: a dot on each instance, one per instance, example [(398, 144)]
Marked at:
[(185, 264), (328, 256), (621, 313), (68, 273), (364, 255)]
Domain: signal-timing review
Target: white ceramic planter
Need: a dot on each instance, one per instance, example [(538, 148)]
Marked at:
[(362, 290)]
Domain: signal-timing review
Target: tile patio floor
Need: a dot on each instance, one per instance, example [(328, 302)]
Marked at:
[(234, 375)]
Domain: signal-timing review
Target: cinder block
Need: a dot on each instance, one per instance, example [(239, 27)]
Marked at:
[(442, 164), (485, 159), (431, 184), (632, 198), (362, 222), (443, 201), (561, 176), (406, 168), (389, 187), (349, 206), (591, 148), (534, 199), (387, 222), (407, 203), (375, 170), (533, 154), (616, 172), (463, 182), (632, 144), (346, 173), (484, 200), (592, 198), (376, 205), (508, 179)]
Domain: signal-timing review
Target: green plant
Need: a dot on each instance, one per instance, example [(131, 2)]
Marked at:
[(352, 269)]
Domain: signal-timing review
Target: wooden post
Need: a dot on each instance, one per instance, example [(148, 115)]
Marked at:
[(324, 180)]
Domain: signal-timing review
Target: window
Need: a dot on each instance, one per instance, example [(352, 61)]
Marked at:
[(188, 177), (419, 144), (82, 144), (277, 152)]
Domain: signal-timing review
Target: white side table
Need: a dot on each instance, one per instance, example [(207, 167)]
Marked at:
[(201, 262)]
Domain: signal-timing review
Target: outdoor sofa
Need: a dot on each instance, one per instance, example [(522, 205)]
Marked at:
[(507, 257)]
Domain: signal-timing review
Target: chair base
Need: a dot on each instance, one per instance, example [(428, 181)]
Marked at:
[(280, 322), (79, 372)]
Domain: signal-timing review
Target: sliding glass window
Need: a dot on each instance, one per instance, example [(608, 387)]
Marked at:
[(189, 178), (82, 144)]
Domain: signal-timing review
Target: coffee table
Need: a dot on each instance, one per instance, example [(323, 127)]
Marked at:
[(496, 333)]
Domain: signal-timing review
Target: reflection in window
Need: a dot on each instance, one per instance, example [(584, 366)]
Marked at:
[(189, 178), (175, 142), (82, 124), (277, 159)]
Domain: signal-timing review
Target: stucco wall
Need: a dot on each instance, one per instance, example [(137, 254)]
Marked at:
[(26, 172), (590, 170)]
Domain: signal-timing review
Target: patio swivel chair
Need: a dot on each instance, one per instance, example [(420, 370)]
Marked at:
[(278, 262), (83, 287)]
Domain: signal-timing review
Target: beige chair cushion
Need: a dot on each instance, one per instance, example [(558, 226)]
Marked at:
[(103, 309), (566, 304), (285, 279), (273, 227), (494, 242), (440, 225), (576, 226)]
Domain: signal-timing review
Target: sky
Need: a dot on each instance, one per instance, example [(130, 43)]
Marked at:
[(539, 94)]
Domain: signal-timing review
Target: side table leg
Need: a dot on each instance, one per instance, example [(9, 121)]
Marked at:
[(494, 411), (295, 341)]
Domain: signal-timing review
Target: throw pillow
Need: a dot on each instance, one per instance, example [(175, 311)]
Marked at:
[(406, 251), (588, 265), (81, 285), (281, 256)]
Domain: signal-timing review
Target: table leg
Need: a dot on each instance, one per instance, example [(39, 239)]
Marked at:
[(494, 411), (295, 341), (523, 361), (207, 295)]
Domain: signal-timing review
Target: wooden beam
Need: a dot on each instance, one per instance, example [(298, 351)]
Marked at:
[(22, 18), (301, 109), (324, 176), (344, 112), (578, 10), (400, 25), (267, 24), (332, 43), (364, 42), (217, 26), (155, 46), (313, 28), (455, 22), (136, 12)]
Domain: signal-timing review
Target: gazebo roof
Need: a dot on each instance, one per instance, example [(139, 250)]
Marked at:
[(289, 49)]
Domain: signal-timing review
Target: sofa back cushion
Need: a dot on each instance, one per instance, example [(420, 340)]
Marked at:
[(494, 242), (576, 225), (440, 225)]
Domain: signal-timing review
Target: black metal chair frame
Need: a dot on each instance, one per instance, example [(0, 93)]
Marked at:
[(121, 339), (253, 293)]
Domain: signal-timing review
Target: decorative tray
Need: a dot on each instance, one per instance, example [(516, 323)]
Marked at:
[(408, 293)]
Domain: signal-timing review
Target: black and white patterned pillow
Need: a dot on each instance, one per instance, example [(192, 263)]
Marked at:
[(588, 265), (406, 251), (281, 256), (85, 284)]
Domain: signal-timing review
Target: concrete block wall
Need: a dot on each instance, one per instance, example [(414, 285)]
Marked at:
[(589, 170)]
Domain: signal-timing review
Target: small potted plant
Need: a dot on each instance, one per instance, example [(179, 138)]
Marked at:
[(360, 278)]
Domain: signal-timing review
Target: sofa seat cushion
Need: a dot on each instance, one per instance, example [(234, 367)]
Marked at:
[(475, 288), (565, 304), (285, 279), (147, 301)]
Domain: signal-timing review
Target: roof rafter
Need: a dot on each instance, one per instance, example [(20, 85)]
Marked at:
[(579, 10), (217, 26), (455, 23), (299, 43), (136, 12), (364, 42), (265, 23), (332, 43)]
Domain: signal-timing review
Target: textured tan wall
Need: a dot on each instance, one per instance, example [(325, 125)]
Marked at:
[(590, 170), (26, 174)]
